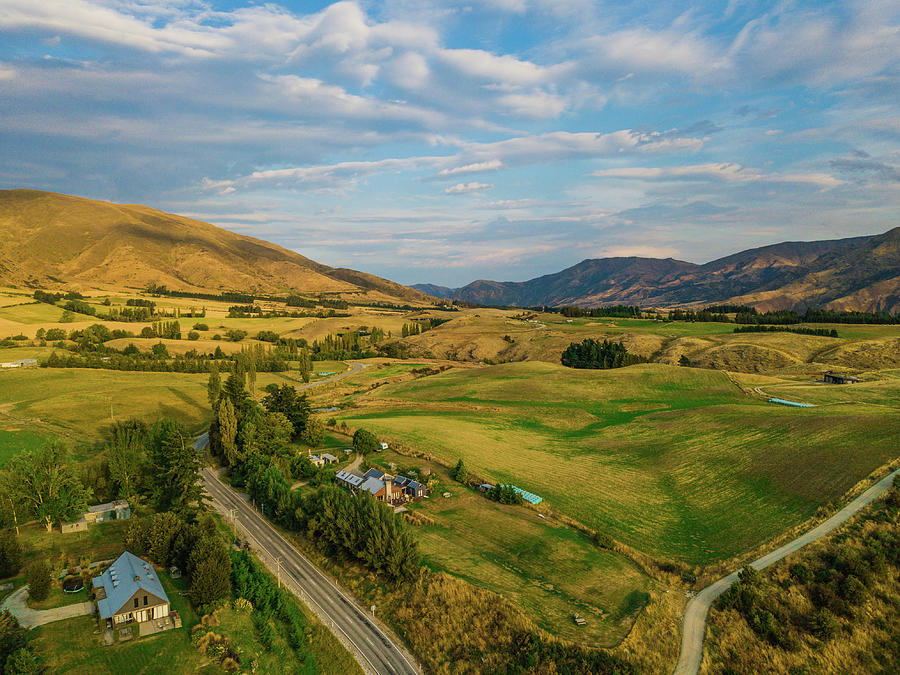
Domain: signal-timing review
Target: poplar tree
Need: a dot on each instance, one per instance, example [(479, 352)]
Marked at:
[(214, 386), (227, 429)]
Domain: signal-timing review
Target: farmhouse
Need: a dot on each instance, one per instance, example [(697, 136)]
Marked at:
[(382, 486), (833, 378), (130, 592), (116, 510), (328, 458), (20, 363)]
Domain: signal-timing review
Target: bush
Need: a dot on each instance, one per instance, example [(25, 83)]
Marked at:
[(38, 578), (823, 624), (193, 335), (10, 554), (236, 334), (201, 326)]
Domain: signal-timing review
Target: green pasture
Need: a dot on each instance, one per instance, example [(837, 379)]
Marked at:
[(37, 312), (677, 462), (14, 440), (75, 403), (548, 569)]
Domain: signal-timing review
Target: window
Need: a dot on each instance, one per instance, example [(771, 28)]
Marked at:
[(135, 602), (145, 601)]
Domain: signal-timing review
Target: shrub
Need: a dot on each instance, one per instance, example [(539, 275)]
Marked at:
[(38, 578), (10, 554), (193, 335), (201, 326), (823, 624), (236, 334)]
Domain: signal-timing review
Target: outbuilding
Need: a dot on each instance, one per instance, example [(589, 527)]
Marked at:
[(834, 378)]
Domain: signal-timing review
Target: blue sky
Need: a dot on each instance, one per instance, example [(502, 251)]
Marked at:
[(431, 141)]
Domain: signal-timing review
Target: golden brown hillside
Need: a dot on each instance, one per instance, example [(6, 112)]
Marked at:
[(47, 239)]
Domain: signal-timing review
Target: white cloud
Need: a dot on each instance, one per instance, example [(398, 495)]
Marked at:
[(719, 171), (489, 165), (467, 188)]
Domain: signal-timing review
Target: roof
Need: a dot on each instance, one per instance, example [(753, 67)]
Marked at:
[(400, 481), (529, 497), (373, 485), (374, 473), (125, 577), (349, 478), (109, 506), (413, 485), (326, 455)]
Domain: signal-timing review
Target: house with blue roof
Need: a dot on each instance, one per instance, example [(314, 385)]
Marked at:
[(130, 591)]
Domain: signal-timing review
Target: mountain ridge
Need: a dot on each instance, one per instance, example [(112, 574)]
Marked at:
[(49, 239), (852, 273)]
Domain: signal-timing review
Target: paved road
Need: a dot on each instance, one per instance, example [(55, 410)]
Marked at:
[(695, 615), (29, 618), (371, 644)]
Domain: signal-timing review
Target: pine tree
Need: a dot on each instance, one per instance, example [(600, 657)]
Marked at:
[(460, 473)]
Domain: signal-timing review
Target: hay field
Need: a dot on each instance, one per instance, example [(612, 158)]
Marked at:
[(677, 462)]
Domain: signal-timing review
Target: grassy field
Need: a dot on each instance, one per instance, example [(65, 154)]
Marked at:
[(75, 403), (548, 569), (678, 462), (35, 312), (14, 440)]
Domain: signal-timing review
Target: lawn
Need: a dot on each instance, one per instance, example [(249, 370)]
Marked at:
[(59, 598), (73, 646), (102, 541), (548, 569), (677, 462)]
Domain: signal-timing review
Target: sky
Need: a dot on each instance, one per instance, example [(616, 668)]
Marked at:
[(443, 142)]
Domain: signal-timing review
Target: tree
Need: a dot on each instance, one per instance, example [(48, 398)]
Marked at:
[(684, 361), (314, 432), (10, 554), (460, 473), (175, 467), (38, 578), (47, 484), (160, 350), (365, 442), (12, 635), (209, 567), (228, 429), (234, 390), (295, 407), (125, 456), (23, 662)]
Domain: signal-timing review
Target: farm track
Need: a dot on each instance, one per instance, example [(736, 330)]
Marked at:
[(694, 627)]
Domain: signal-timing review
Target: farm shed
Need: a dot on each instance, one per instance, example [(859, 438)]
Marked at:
[(529, 497), (834, 378)]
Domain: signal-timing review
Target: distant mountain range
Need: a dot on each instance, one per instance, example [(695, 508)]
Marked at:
[(860, 273), (48, 240)]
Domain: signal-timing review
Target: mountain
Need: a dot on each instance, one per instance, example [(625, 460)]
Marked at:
[(434, 290), (48, 239), (855, 273)]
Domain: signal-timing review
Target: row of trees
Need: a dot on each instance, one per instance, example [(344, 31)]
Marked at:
[(194, 546), (821, 332), (590, 353)]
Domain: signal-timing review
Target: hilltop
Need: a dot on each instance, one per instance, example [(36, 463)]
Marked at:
[(861, 273), (49, 239)]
